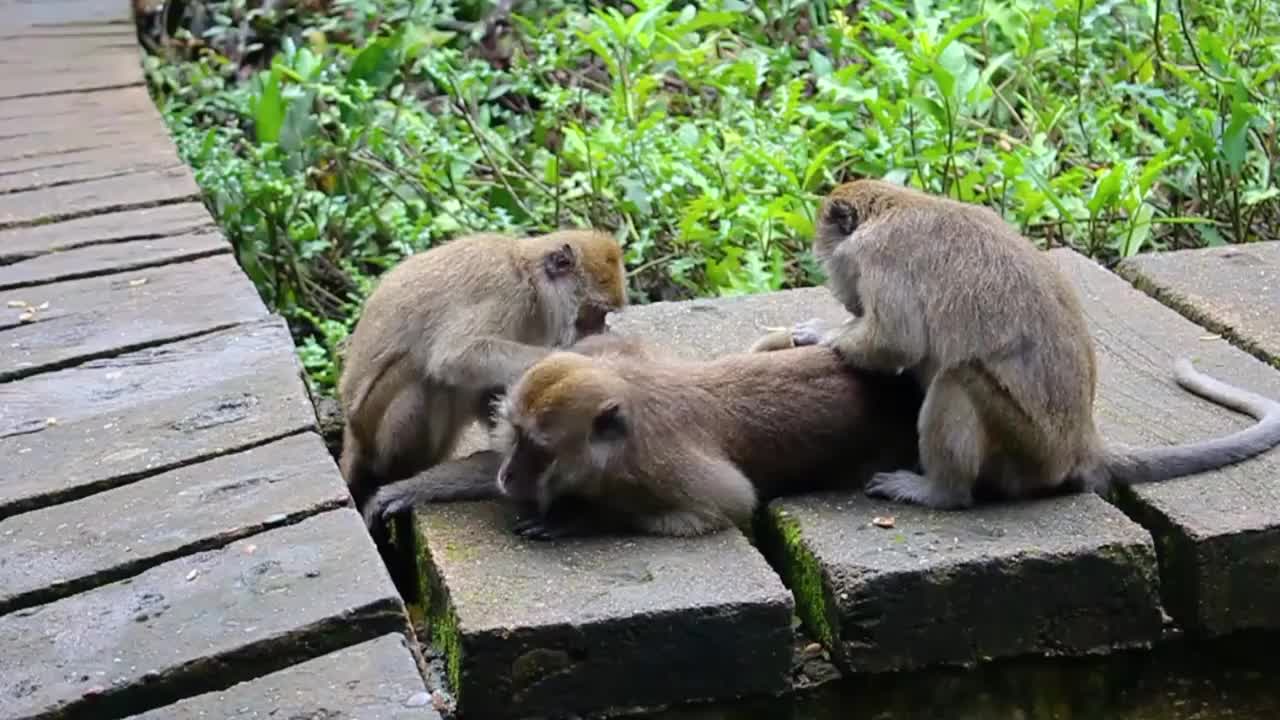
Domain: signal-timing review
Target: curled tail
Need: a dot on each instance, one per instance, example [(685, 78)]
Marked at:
[(1133, 466)]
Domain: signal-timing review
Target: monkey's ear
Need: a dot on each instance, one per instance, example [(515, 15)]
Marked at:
[(843, 215), (560, 262), (609, 423)]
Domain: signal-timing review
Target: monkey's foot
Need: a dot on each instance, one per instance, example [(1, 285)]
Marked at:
[(910, 487), (379, 510), (810, 332)]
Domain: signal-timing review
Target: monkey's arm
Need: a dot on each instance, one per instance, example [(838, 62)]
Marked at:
[(486, 362), (474, 477), (890, 335)]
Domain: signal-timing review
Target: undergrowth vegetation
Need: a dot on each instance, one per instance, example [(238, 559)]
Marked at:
[(331, 137)]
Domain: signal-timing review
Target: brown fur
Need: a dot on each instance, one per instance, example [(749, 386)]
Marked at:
[(996, 335), (683, 448), (475, 477), (448, 329)]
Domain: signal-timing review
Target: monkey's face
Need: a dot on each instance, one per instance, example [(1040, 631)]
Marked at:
[(559, 430), (603, 278), (837, 220)]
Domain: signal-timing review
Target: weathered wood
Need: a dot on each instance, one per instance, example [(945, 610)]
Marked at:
[(66, 12), (133, 190), (110, 315), (199, 623), (1232, 290), (101, 424), (126, 225), (125, 157), (1218, 534), (536, 628), (90, 64), (68, 548), (23, 148), (111, 258), (100, 108), (376, 680)]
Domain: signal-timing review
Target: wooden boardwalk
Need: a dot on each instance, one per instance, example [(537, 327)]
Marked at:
[(177, 542), (173, 528)]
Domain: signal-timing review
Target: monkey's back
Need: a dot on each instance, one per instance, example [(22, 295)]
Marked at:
[(799, 419), (988, 295)]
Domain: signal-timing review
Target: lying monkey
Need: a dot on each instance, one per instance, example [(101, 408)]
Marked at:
[(676, 447)]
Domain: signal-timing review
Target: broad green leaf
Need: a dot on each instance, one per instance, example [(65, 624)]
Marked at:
[(1106, 189), (268, 111), (376, 64)]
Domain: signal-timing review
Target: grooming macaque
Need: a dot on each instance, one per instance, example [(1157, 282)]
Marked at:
[(447, 330), (996, 336), (475, 477), (684, 448)]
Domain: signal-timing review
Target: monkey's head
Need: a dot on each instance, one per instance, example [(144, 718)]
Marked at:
[(587, 276), (559, 428), (851, 206)]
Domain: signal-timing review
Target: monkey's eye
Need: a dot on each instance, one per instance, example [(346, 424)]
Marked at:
[(844, 216)]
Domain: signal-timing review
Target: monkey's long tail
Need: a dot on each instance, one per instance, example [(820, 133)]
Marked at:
[(1134, 466)]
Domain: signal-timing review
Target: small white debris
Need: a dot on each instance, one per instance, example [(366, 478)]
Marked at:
[(193, 574), (138, 282)]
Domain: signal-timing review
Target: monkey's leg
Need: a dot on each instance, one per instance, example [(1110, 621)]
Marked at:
[(952, 450), (474, 477), (715, 495)]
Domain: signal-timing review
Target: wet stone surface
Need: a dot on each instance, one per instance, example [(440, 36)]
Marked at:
[(1218, 534), (593, 623), (1066, 576)]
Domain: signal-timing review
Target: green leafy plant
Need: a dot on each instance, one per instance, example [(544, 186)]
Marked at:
[(345, 134)]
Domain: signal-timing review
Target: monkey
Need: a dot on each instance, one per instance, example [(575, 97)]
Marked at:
[(950, 294), (685, 448), (474, 477), (448, 329)]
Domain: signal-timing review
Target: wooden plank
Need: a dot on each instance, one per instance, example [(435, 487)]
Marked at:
[(141, 189), (64, 549), (128, 155), (377, 680), (65, 12), (44, 66), (105, 107), (102, 424), (110, 258), (104, 316), (126, 225), (1232, 290), (200, 623)]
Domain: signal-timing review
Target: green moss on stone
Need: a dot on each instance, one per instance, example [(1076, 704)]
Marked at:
[(442, 620), (784, 547)]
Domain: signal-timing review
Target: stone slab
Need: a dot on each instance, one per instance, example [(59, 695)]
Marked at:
[(199, 623), (109, 258), (1066, 576), (370, 681), (577, 625), (1232, 290), (67, 548), (113, 314), (69, 433), (129, 155), (132, 190), (703, 329), (142, 224), (1218, 533)]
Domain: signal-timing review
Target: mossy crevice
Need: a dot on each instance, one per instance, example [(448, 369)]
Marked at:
[(442, 622), (779, 537)]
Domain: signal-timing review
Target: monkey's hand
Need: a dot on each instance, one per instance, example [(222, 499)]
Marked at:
[(385, 504), (540, 527), (859, 346), (812, 332)]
